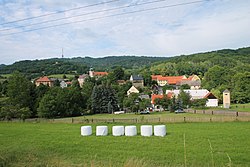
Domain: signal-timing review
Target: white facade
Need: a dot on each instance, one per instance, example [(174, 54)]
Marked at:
[(197, 94), (162, 82), (132, 90), (63, 84), (212, 103)]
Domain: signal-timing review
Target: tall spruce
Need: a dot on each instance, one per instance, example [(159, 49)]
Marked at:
[(104, 99)]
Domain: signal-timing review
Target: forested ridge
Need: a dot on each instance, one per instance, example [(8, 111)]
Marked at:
[(77, 65), (200, 63)]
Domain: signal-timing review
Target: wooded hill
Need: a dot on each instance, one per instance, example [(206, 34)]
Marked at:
[(200, 63), (237, 60), (77, 65)]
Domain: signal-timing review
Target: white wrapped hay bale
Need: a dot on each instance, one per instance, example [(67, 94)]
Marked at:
[(118, 130), (86, 130), (160, 130), (101, 130), (130, 130), (146, 130)]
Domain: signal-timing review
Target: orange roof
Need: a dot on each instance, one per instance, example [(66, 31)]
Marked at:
[(170, 95), (154, 77), (43, 79), (190, 77), (172, 80), (100, 73), (154, 96)]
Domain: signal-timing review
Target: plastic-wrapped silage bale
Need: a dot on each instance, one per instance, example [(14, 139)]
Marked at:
[(130, 130), (160, 130), (86, 130), (101, 130), (146, 130), (118, 130)]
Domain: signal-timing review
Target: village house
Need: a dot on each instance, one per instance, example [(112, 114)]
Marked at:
[(97, 75), (137, 80), (121, 82), (170, 80), (65, 84), (45, 81), (193, 81), (212, 101), (132, 90), (81, 79), (159, 96)]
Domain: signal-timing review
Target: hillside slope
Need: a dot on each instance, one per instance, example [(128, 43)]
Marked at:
[(200, 63), (78, 65)]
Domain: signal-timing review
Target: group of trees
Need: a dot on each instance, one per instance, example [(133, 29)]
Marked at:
[(35, 68), (23, 100), (218, 78), (104, 99)]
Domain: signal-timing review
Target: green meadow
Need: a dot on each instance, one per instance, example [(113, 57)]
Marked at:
[(241, 107), (186, 144), (60, 76)]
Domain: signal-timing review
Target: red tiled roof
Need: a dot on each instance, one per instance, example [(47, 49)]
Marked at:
[(100, 73), (172, 80), (170, 95), (43, 79), (190, 77), (154, 96), (154, 77)]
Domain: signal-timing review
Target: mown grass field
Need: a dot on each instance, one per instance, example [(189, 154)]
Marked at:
[(56, 144)]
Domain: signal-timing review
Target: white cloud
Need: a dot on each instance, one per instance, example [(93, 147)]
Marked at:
[(178, 30)]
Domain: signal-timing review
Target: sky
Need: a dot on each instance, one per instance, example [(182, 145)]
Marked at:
[(172, 30)]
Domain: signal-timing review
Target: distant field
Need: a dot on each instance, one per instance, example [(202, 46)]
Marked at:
[(153, 117), (60, 76), (48, 144), (241, 107), (6, 75), (233, 107)]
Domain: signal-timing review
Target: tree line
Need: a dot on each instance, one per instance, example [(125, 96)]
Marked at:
[(22, 99), (79, 65)]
